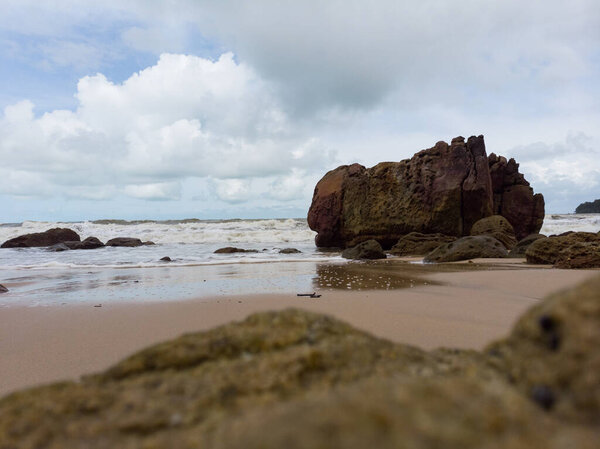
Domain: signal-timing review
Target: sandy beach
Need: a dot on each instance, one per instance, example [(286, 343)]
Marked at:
[(462, 309)]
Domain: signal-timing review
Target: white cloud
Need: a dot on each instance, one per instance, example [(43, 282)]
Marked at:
[(183, 117), (567, 172), (372, 81), (291, 187), (233, 190), (157, 191)]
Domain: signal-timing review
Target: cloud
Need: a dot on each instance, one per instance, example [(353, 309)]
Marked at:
[(183, 117), (306, 85), (567, 173), (155, 192), (233, 190), (354, 54)]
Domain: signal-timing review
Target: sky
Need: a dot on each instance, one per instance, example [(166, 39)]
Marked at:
[(235, 109)]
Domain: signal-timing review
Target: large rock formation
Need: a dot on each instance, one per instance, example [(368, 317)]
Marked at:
[(301, 380), (39, 239), (444, 189)]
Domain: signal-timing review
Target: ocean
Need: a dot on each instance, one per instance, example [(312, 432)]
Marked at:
[(42, 277)]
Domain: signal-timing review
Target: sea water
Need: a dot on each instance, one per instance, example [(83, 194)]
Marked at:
[(38, 276)]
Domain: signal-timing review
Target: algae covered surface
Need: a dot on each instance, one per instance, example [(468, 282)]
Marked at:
[(296, 379)]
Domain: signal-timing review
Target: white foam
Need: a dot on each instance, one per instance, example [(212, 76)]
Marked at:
[(559, 223), (232, 231)]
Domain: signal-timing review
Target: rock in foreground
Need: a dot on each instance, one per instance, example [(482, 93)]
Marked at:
[(3, 289), (301, 380), (444, 189), (474, 247), (552, 354), (39, 239)]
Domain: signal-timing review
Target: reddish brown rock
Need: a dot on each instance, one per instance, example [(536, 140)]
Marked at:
[(39, 239), (514, 198), (444, 189)]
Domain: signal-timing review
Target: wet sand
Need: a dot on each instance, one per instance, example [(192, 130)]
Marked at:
[(449, 306)]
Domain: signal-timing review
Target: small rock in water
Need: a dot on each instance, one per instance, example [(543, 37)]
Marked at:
[(166, 259), (124, 241), (289, 251), (3, 289), (98, 305), (231, 249)]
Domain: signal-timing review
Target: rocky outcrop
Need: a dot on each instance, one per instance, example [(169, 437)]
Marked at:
[(521, 247), (514, 198), (568, 250), (232, 249), (371, 249), (592, 207), (465, 248), (498, 227), (314, 381), (124, 241), (40, 239), (3, 289), (444, 189), (417, 244)]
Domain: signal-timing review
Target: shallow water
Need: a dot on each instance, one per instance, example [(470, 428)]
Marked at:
[(36, 276)]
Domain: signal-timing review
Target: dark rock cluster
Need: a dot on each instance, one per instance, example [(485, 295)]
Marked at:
[(63, 239), (295, 379)]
